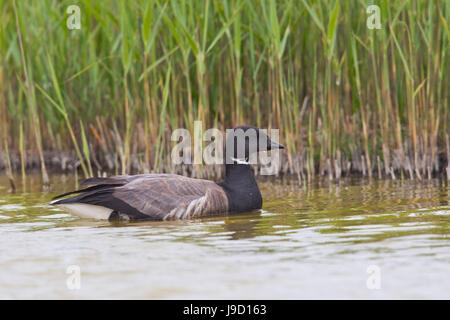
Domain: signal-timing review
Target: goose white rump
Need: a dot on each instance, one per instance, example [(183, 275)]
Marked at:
[(84, 210)]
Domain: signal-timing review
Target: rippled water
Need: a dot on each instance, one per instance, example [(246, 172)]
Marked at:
[(357, 239)]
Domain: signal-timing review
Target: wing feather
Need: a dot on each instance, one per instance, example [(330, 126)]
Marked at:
[(162, 195)]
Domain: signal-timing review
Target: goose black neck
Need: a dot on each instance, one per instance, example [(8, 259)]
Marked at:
[(241, 188), (239, 173)]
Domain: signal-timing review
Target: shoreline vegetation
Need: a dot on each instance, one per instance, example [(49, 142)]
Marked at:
[(348, 100)]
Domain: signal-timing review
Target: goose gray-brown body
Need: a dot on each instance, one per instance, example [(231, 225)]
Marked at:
[(152, 197)]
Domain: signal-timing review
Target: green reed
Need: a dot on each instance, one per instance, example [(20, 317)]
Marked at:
[(346, 98)]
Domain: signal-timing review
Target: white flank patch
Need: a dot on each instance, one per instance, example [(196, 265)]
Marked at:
[(84, 210), (193, 210)]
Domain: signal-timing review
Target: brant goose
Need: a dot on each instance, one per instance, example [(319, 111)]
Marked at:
[(170, 196)]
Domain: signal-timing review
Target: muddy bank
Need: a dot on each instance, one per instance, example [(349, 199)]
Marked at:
[(298, 165)]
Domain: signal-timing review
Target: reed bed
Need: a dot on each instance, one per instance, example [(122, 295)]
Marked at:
[(105, 98)]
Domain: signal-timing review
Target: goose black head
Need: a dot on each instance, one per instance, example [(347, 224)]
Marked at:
[(244, 141), (242, 145)]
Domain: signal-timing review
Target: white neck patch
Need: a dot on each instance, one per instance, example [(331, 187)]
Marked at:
[(240, 161)]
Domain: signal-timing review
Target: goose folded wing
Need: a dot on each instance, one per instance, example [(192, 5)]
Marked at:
[(170, 197)]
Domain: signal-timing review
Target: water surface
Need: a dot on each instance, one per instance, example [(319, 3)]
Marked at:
[(356, 239)]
